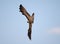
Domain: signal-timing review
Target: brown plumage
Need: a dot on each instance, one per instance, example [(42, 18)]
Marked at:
[(29, 18)]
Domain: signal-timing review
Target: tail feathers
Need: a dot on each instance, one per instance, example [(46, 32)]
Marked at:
[(29, 33)]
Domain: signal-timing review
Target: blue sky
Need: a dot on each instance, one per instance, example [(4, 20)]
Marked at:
[(13, 25)]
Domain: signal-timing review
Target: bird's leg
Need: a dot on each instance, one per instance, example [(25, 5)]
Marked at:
[(27, 21)]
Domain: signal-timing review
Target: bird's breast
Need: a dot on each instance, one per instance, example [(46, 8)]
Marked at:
[(31, 20)]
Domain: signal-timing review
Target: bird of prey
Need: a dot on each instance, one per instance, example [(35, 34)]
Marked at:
[(29, 18)]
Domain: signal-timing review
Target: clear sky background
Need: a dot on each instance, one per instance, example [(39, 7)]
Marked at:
[(14, 26)]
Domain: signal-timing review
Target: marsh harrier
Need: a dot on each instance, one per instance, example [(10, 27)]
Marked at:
[(29, 18)]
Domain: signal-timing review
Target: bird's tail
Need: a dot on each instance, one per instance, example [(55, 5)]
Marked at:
[(29, 33)]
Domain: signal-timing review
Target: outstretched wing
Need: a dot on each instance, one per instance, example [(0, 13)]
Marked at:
[(30, 30), (24, 12)]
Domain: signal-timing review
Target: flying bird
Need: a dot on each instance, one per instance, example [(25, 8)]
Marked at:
[(29, 18)]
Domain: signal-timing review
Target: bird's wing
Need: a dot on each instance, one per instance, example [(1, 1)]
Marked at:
[(33, 18), (24, 12), (30, 30)]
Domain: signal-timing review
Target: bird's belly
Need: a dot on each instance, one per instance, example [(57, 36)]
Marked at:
[(31, 20)]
